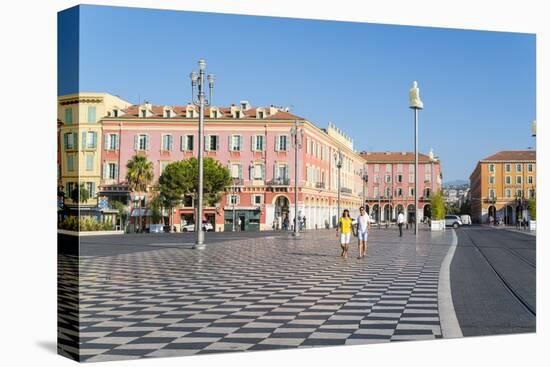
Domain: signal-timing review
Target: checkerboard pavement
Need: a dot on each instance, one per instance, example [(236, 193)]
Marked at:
[(252, 295)]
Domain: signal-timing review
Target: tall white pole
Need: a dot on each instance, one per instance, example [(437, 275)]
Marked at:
[(416, 171)]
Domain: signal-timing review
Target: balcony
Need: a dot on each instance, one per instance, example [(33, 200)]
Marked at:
[(285, 181), (237, 182)]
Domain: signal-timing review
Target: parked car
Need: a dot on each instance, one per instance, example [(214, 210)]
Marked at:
[(466, 219), (206, 226), (453, 221)]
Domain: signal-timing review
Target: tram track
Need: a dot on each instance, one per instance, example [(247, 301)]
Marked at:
[(500, 276)]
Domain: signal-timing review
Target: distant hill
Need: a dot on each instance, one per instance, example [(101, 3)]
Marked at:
[(456, 183)]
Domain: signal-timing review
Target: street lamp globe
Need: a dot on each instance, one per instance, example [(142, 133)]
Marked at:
[(202, 65)]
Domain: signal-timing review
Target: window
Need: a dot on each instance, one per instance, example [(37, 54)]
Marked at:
[(491, 179), (530, 180), (143, 113), (376, 178), (411, 191), (491, 168), (257, 199), (281, 143), (518, 180), (530, 167), (427, 192), (189, 113), (91, 114), (167, 142), (90, 186), (411, 168), (168, 113), (258, 172), (187, 142), (282, 171), (518, 167), (233, 199), (387, 178), (376, 167), (70, 162), (238, 114), (388, 192), (399, 178), (235, 143), (400, 167), (508, 180), (212, 142), (376, 192), (90, 162), (89, 140), (110, 171), (399, 192), (388, 167), (411, 177), (258, 143), (508, 193), (111, 142), (508, 167), (428, 168), (236, 170), (115, 113), (519, 193), (68, 116), (261, 114), (141, 142), (492, 193), (69, 141)]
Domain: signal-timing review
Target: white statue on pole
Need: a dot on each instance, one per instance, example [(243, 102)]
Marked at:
[(414, 97)]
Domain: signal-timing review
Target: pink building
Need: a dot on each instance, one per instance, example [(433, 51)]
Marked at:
[(390, 186), (255, 144)]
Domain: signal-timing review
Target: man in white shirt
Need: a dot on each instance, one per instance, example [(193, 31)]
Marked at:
[(363, 225), (400, 221)]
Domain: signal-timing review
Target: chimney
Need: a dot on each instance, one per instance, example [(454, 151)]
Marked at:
[(245, 105)]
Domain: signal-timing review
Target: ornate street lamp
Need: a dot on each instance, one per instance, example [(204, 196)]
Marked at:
[(297, 133), (199, 100), (415, 104)]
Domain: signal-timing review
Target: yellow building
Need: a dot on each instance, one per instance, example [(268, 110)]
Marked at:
[(79, 130), (501, 185)]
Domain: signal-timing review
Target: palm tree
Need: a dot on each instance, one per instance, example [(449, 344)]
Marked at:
[(139, 175)]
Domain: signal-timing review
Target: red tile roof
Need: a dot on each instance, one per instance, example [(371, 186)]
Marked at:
[(225, 112), (513, 155), (375, 157)]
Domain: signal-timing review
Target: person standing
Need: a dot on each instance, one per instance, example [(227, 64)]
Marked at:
[(400, 221), (343, 230), (363, 225)]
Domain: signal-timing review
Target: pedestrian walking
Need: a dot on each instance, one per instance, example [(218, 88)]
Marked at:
[(304, 221), (343, 231), (363, 226), (285, 223), (400, 221)]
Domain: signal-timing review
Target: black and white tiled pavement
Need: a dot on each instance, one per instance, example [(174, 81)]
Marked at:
[(253, 295)]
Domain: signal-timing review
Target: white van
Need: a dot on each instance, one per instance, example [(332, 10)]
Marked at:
[(466, 219)]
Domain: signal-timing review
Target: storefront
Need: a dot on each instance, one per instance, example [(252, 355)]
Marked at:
[(244, 219)]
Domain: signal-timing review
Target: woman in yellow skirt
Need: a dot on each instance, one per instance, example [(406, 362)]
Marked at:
[(343, 230)]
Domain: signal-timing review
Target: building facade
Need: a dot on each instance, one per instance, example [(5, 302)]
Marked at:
[(255, 144), (79, 144), (389, 186), (501, 185)]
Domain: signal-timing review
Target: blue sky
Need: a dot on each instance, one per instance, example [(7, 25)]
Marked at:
[(478, 87)]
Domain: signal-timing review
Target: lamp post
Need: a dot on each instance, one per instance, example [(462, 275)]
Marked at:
[(338, 163), (233, 200), (297, 133), (416, 105), (199, 99), (365, 178)]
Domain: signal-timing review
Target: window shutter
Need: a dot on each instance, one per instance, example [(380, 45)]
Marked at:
[(94, 139), (217, 142), (147, 143), (84, 140), (240, 171), (66, 140), (263, 172), (107, 143), (277, 139), (229, 143), (116, 171), (136, 142), (182, 141), (253, 143), (105, 171), (117, 141)]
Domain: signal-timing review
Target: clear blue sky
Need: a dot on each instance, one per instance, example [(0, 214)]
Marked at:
[(478, 87)]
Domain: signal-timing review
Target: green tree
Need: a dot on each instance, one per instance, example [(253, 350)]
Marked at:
[(80, 194), (532, 206), (139, 176), (182, 178), (438, 206)]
